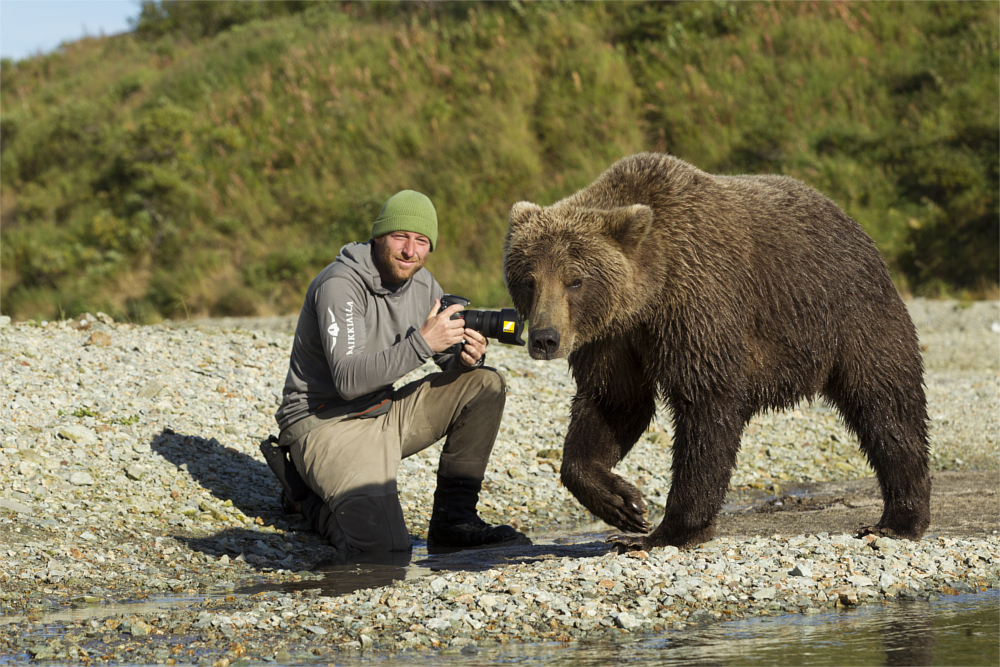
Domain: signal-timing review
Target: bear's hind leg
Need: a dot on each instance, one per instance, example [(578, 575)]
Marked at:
[(890, 422)]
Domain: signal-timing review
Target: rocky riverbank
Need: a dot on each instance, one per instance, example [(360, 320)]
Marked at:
[(129, 471)]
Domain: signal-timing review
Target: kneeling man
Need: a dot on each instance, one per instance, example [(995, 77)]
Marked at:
[(369, 318)]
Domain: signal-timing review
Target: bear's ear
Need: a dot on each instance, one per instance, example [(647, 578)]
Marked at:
[(520, 213), (628, 225)]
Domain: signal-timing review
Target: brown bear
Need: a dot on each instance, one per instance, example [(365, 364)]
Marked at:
[(722, 296)]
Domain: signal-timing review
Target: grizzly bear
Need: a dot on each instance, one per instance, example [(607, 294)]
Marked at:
[(721, 296)]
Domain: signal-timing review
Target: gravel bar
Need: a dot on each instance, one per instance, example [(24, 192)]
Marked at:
[(139, 523)]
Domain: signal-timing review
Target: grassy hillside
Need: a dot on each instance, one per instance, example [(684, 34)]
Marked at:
[(215, 159)]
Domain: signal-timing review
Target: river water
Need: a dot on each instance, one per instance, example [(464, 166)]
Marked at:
[(961, 630)]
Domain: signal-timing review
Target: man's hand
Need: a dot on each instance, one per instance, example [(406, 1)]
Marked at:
[(474, 348), (440, 331)]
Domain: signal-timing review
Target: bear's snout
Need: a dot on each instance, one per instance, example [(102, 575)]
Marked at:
[(544, 343)]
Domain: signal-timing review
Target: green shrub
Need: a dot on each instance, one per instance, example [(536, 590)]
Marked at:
[(216, 159)]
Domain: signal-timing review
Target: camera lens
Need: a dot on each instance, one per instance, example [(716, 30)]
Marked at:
[(508, 326), (503, 325), (474, 320)]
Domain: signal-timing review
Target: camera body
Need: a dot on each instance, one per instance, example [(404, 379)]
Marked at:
[(504, 325)]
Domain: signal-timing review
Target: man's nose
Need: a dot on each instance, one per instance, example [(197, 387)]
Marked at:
[(409, 248)]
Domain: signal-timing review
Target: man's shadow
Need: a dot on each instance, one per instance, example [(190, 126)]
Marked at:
[(248, 483), (225, 472)]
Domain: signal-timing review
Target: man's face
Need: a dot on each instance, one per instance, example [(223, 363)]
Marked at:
[(399, 255)]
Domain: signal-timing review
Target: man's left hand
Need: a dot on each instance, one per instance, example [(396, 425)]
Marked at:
[(474, 348)]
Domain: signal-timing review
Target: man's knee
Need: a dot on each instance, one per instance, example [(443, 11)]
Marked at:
[(492, 387), (367, 524)]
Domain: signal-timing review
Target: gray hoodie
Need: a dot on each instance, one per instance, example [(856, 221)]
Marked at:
[(356, 337)]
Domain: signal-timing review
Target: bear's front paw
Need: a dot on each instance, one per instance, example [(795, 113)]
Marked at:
[(622, 507), (611, 498)]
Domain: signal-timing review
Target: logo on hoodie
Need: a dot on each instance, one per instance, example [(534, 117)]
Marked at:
[(333, 330), (349, 319)]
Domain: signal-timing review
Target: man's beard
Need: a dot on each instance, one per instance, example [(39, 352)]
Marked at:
[(388, 269)]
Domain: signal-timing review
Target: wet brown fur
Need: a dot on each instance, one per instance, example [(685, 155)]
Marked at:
[(722, 296)]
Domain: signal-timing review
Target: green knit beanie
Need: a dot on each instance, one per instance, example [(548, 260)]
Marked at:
[(407, 211)]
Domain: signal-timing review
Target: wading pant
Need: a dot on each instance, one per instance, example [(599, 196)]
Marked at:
[(351, 463)]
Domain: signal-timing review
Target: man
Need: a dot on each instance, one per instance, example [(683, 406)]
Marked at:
[(369, 318)]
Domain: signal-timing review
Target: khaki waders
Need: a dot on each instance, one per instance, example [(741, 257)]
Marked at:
[(351, 462)]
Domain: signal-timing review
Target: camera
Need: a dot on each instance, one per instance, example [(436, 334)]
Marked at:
[(504, 325)]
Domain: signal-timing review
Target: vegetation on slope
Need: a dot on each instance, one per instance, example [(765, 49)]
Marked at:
[(215, 159)]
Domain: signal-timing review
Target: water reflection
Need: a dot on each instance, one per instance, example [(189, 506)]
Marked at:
[(346, 575), (79, 613), (959, 630), (909, 636), (956, 630)]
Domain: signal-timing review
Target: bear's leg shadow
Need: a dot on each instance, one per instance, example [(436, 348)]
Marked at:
[(889, 419), (598, 437), (706, 443)]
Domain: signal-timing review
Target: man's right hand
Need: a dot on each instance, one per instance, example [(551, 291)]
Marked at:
[(439, 330)]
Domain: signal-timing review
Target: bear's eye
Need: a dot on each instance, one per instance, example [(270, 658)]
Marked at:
[(529, 285), (575, 284)]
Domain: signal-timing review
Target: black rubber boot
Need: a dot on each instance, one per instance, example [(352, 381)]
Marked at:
[(455, 523), (294, 490), (311, 510)]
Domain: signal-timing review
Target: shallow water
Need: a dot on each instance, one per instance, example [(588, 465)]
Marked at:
[(953, 630), (86, 612), (959, 630)]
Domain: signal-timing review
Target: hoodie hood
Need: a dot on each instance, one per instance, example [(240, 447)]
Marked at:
[(358, 258)]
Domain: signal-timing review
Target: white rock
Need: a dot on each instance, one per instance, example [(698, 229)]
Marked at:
[(13, 506), (81, 479), (801, 570), (438, 624), (626, 621), (135, 472), (78, 434)]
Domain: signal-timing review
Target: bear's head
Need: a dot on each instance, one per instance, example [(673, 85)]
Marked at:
[(572, 271)]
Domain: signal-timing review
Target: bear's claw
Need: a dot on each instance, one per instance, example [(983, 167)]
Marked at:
[(627, 542), (611, 498), (630, 517), (884, 531)]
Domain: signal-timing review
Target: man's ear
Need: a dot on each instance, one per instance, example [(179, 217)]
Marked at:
[(520, 212), (628, 225)]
